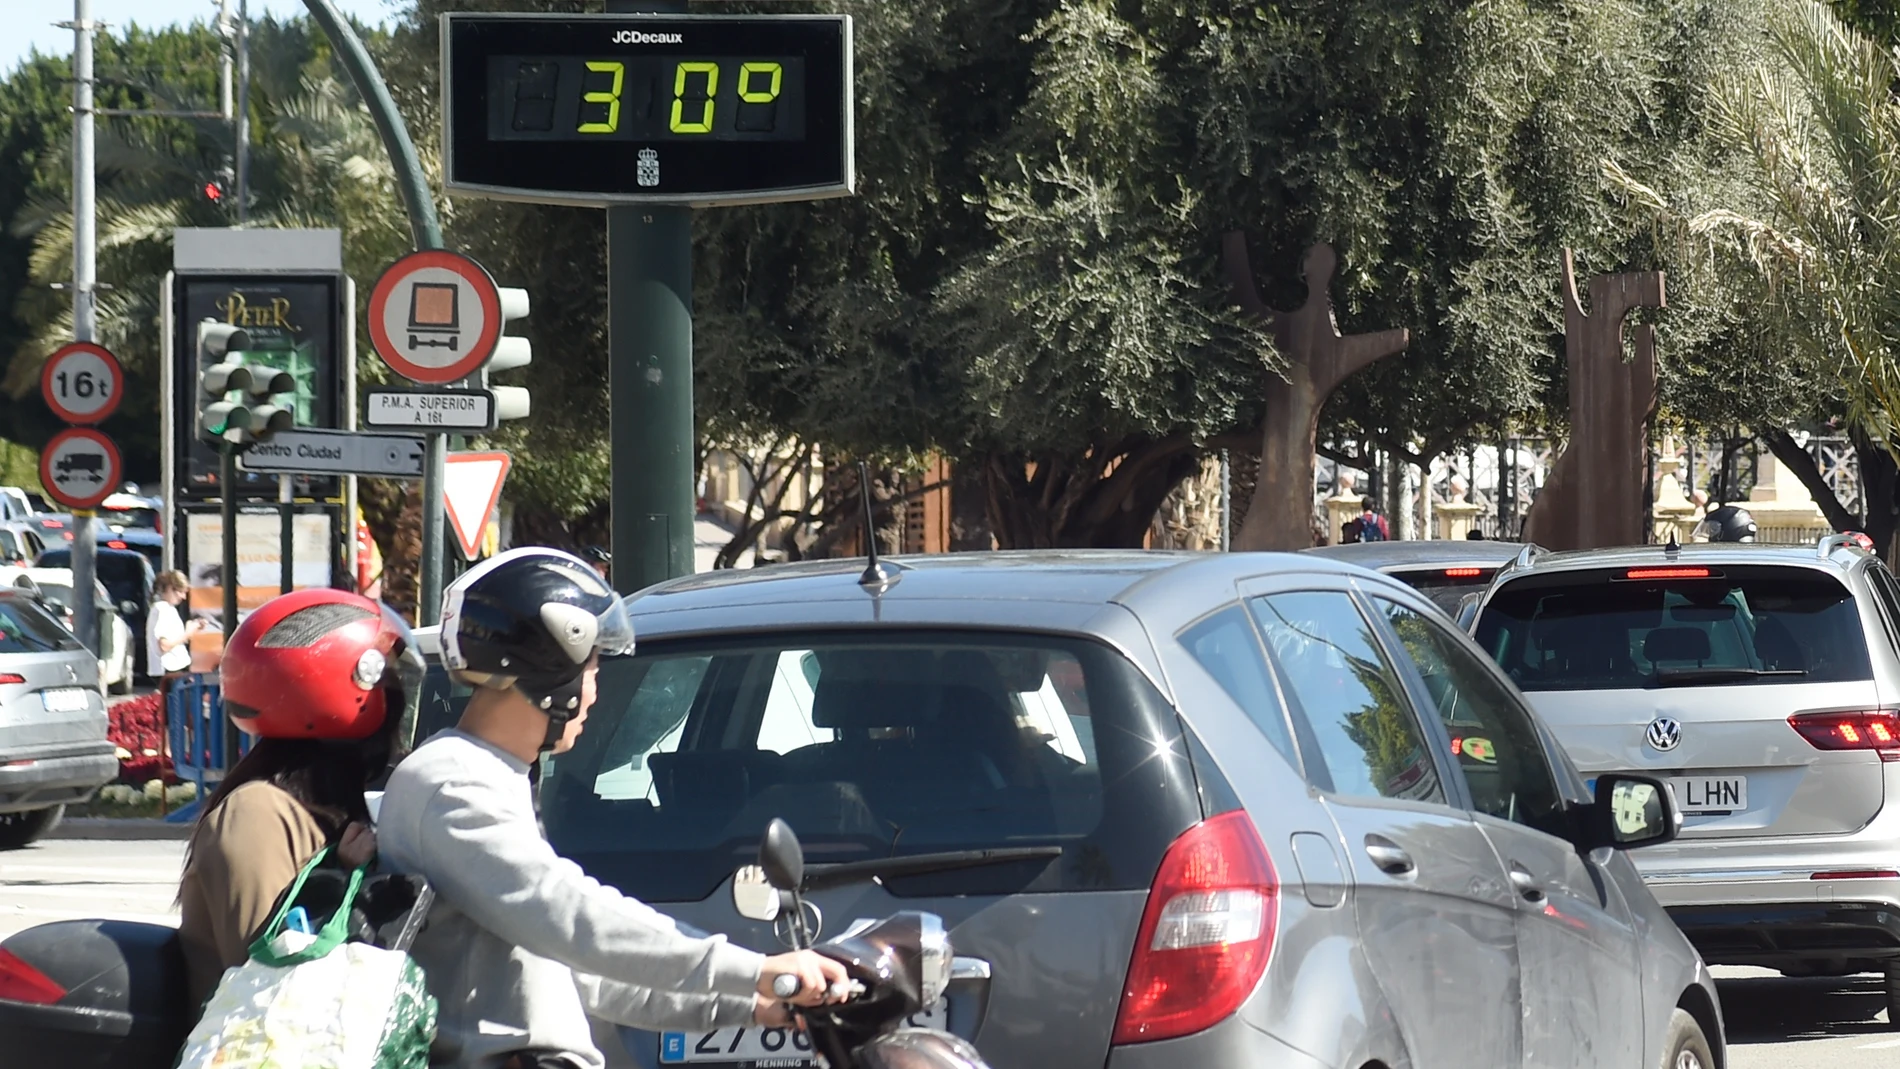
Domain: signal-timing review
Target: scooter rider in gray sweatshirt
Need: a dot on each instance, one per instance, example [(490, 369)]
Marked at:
[(521, 944)]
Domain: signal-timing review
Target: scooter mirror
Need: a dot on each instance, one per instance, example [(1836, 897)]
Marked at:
[(753, 896), (780, 856)]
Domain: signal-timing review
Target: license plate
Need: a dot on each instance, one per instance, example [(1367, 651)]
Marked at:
[(65, 700), (1710, 794), (763, 1047)]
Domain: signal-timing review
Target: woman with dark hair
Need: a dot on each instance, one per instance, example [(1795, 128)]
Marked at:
[(320, 680)]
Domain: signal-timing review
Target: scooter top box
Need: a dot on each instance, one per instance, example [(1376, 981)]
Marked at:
[(94, 994)]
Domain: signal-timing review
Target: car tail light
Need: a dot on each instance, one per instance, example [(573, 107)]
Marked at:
[(1858, 874), (51, 525), (1877, 730), (11, 677), (115, 544), (1206, 933), (1668, 573), (1463, 573), (20, 982)]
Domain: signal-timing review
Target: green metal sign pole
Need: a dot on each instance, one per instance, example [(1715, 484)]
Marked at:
[(650, 376)]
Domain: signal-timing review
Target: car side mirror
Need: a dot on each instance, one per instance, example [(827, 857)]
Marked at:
[(781, 857), (1632, 811)]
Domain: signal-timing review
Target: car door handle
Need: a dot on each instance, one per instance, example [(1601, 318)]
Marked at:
[(1389, 856), (1526, 883)]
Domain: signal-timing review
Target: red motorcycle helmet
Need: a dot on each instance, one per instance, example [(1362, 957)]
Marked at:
[(314, 664)]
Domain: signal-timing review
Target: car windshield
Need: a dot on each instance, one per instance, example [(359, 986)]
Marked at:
[(873, 747), (25, 628), (1631, 628)]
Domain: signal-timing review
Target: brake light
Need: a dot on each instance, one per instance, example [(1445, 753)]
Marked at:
[(1463, 573), (1667, 573), (20, 982), (115, 544), (1861, 874), (11, 677), (1877, 730), (1205, 935), (51, 524)]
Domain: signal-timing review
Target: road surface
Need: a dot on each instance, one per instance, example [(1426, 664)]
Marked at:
[(1774, 1023)]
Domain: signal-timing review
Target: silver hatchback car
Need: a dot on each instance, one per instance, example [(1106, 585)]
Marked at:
[(53, 745), (1762, 683), (1301, 821)]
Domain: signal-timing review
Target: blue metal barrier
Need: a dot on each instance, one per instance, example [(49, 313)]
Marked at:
[(194, 716)]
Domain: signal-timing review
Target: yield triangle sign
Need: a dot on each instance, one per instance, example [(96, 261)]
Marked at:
[(471, 486)]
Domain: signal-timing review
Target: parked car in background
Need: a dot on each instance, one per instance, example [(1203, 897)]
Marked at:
[(15, 504), (1761, 682), (1448, 571), (128, 577), (20, 542), (109, 533), (1228, 790), (118, 659), (124, 510), (53, 745)]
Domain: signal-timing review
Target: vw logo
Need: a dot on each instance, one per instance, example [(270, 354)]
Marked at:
[(1665, 733)]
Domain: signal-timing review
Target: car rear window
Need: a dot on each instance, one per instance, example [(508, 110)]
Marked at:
[(1632, 628), (124, 573), (1446, 587), (874, 746), (26, 628)]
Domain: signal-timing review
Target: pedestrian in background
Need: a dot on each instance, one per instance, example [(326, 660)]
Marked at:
[(167, 634), (1372, 526)]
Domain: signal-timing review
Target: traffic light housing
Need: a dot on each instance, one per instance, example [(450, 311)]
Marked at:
[(253, 416), (221, 372), (511, 351)]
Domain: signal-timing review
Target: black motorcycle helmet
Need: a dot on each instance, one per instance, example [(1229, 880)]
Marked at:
[(1730, 523), (531, 619)]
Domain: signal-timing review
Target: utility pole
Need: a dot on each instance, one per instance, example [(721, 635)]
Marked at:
[(85, 325), (241, 164)]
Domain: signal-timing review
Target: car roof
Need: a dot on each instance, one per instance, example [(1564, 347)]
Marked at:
[(1840, 558), (1057, 590), (1382, 556)]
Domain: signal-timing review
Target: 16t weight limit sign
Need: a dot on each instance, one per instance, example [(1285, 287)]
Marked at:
[(82, 383)]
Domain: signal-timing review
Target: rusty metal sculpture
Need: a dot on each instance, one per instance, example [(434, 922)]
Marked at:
[(1318, 359), (1594, 497)]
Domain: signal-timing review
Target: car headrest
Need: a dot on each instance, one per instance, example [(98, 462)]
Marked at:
[(876, 689), (1676, 644)]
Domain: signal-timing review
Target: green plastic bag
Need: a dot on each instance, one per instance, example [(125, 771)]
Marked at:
[(316, 1002)]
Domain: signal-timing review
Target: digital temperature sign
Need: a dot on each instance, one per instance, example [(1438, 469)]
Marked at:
[(657, 109)]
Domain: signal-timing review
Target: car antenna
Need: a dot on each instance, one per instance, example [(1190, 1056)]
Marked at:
[(877, 577), (1674, 545)]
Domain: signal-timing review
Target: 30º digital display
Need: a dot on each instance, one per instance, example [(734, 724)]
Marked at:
[(709, 98), (602, 109)]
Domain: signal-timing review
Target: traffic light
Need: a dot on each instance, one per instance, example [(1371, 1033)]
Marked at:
[(511, 351), (254, 416), (220, 347)]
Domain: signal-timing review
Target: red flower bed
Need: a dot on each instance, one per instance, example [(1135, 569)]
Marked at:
[(137, 726)]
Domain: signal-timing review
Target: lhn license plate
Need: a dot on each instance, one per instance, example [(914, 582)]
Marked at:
[(776, 1048)]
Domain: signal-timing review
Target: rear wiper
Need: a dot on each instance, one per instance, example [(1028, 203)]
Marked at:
[(1676, 677), (820, 877)]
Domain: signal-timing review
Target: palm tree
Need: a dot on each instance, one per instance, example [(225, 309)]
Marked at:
[(1809, 230)]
